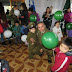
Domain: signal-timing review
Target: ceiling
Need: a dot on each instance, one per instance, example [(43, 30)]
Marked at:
[(7, 3)]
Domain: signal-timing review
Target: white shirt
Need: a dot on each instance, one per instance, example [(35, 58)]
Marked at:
[(56, 30)]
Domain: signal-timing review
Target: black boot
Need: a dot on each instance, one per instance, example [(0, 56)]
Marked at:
[(3, 43), (49, 61), (40, 54), (9, 41)]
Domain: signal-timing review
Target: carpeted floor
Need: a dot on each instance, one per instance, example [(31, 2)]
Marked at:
[(18, 58)]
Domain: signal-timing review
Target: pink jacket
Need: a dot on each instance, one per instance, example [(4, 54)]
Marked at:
[(67, 17), (62, 62)]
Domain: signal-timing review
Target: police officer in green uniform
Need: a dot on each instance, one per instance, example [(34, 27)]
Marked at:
[(42, 30), (32, 40)]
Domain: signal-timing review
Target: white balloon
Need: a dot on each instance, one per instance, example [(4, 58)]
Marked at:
[(23, 38), (17, 12), (7, 33)]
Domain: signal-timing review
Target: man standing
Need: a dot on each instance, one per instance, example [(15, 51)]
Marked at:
[(12, 15), (42, 30)]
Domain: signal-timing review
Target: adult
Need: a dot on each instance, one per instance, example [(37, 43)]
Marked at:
[(41, 31), (31, 12), (4, 24), (24, 14), (12, 15), (46, 18), (67, 15), (67, 18)]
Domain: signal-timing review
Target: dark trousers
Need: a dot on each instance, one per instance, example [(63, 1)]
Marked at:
[(48, 24), (18, 39), (65, 28)]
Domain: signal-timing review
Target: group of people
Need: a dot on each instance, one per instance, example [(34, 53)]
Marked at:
[(34, 32), (63, 53)]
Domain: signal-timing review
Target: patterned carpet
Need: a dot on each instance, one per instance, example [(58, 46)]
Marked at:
[(18, 58)]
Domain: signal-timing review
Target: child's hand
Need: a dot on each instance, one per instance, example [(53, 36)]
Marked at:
[(32, 43), (58, 32), (53, 48), (32, 40), (41, 50)]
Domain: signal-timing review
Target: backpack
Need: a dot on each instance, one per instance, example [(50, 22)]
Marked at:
[(4, 66)]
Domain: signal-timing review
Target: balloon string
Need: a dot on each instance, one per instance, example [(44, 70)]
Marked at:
[(54, 55)]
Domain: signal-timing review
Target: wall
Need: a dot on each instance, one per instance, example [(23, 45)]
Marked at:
[(41, 6)]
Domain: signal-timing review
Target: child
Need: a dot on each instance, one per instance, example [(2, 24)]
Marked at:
[(17, 32), (62, 60), (57, 30), (31, 12), (32, 40), (24, 29), (69, 33)]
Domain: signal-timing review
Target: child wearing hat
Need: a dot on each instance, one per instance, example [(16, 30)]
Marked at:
[(33, 47)]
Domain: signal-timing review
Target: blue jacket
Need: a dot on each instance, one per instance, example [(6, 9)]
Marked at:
[(23, 29)]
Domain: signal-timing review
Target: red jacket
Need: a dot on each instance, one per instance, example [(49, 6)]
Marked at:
[(4, 25), (62, 62), (1, 29)]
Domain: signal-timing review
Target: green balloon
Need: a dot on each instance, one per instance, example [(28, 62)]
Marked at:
[(58, 15), (69, 26), (49, 40), (33, 18)]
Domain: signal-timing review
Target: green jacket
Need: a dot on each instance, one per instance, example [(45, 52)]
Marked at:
[(17, 30), (39, 35), (32, 35), (12, 15)]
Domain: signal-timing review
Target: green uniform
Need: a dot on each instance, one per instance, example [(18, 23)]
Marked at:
[(17, 29), (13, 16), (33, 47), (39, 37)]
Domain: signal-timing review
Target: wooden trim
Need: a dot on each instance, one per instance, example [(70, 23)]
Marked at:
[(11, 3), (19, 0), (16, 2)]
